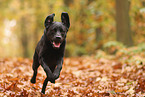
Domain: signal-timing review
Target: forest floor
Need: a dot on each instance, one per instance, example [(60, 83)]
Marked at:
[(100, 75)]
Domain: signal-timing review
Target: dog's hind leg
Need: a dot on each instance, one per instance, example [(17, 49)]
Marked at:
[(35, 67)]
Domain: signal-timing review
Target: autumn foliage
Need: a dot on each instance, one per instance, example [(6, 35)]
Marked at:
[(122, 75), (92, 22)]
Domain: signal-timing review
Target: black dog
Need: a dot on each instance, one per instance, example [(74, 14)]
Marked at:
[(50, 49)]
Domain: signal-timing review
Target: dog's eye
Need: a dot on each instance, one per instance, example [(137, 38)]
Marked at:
[(53, 30), (63, 33), (61, 30)]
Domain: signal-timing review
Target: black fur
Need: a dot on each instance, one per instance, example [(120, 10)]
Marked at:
[(50, 49)]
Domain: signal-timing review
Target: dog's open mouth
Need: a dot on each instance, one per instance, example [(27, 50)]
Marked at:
[(56, 44)]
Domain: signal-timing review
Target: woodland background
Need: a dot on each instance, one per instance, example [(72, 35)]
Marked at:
[(93, 25), (104, 56)]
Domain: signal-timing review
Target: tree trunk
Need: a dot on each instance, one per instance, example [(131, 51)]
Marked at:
[(67, 2), (37, 22), (98, 34), (23, 33), (122, 22)]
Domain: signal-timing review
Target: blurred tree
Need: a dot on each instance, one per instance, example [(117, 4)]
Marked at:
[(124, 34), (37, 22), (98, 34), (143, 3), (92, 24), (23, 29), (67, 2)]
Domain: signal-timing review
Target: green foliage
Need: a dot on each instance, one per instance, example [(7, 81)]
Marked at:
[(133, 55), (100, 54), (133, 50), (113, 44), (73, 50), (141, 47), (112, 47)]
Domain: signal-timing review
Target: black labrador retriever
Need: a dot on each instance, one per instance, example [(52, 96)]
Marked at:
[(50, 49)]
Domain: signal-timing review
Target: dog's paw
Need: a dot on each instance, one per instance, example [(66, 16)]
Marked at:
[(52, 80), (33, 81), (56, 76), (42, 93)]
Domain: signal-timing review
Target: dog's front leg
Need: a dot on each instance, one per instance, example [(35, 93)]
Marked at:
[(50, 76), (58, 69)]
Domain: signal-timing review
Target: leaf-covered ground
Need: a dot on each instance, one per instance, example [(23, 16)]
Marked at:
[(89, 76)]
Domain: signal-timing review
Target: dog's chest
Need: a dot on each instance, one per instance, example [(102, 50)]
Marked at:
[(52, 58)]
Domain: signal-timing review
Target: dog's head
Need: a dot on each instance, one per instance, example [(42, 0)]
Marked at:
[(56, 31)]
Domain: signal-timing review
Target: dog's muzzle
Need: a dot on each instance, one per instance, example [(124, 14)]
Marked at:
[(57, 42)]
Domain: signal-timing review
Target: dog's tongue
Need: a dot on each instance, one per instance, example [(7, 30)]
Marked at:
[(56, 44)]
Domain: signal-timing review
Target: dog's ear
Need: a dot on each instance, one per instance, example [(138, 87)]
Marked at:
[(49, 20), (65, 19)]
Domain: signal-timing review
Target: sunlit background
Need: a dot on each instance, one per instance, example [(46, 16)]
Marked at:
[(93, 25)]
